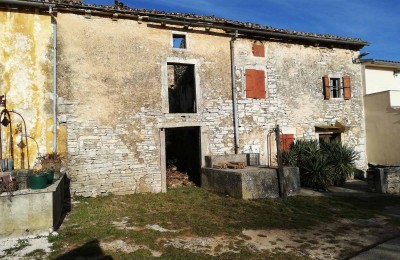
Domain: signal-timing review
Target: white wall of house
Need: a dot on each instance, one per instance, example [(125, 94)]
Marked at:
[(380, 79)]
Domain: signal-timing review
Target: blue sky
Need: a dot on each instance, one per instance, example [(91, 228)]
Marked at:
[(376, 21)]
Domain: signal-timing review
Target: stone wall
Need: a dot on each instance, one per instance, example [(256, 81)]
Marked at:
[(26, 80), (113, 98), (295, 94), (384, 180)]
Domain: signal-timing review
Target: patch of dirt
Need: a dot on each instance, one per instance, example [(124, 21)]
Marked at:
[(160, 229), (120, 245), (328, 241), (207, 245), (19, 248), (123, 224)]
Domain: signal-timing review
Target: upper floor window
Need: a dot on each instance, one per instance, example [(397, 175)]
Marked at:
[(255, 84), (181, 88), (336, 87), (179, 41), (258, 50)]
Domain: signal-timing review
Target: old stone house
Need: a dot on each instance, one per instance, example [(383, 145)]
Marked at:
[(131, 91)]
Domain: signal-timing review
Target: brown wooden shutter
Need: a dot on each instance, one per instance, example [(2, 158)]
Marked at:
[(258, 50), (286, 141), (346, 88), (255, 84), (327, 89)]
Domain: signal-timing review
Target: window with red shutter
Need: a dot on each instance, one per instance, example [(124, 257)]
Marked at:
[(286, 141), (346, 88), (255, 84), (258, 50), (336, 87), (327, 90)]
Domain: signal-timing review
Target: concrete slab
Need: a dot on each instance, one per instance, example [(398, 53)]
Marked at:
[(389, 250)]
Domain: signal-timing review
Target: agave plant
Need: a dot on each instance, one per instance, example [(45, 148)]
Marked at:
[(321, 165), (342, 159), (315, 171), (289, 158)]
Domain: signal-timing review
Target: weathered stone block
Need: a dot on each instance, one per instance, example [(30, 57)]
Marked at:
[(215, 159), (251, 182)]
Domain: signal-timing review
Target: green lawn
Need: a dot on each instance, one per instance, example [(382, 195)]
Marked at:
[(194, 212)]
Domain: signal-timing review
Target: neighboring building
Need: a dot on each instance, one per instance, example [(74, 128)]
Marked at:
[(382, 110), (139, 89)]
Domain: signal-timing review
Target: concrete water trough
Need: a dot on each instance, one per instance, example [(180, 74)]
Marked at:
[(31, 212), (252, 182)]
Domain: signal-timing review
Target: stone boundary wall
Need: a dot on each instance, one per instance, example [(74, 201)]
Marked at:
[(384, 180)]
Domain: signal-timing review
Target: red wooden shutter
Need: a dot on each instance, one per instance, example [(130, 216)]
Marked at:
[(255, 84), (286, 141), (346, 88), (327, 89), (258, 50)]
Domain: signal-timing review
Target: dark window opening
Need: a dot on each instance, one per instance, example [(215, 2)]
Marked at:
[(179, 41), (336, 88), (329, 137), (181, 88), (183, 150)]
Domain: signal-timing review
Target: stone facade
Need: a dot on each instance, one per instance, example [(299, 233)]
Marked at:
[(114, 80), (113, 98)]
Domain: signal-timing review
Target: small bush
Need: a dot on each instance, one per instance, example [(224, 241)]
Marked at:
[(342, 160), (321, 165)]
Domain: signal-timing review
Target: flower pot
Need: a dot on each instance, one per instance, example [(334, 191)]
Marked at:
[(50, 176), (38, 181)]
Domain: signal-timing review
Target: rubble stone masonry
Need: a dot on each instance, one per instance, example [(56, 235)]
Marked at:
[(113, 98)]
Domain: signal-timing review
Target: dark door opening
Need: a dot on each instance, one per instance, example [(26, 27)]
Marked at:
[(183, 150), (329, 137)]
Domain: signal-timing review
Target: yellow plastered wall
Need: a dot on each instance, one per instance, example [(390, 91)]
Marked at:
[(26, 79)]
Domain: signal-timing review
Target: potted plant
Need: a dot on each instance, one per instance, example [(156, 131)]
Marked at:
[(37, 179), (50, 161)]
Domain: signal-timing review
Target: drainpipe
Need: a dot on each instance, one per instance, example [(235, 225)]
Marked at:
[(54, 24), (234, 101)]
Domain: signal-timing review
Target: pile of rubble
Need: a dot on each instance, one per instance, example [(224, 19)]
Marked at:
[(230, 165), (176, 178)]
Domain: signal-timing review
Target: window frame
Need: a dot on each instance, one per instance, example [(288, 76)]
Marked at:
[(177, 33), (344, 88), (339, 88), (164, 84)]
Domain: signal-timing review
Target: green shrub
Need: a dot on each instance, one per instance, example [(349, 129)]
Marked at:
[(342, 160), (315, 171), (321, 165)]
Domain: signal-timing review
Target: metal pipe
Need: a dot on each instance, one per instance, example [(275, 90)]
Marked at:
[(27, 3), (26, 135), (54, 23), (234, 101)]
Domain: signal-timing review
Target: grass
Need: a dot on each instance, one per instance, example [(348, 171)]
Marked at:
[(194, 212)]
